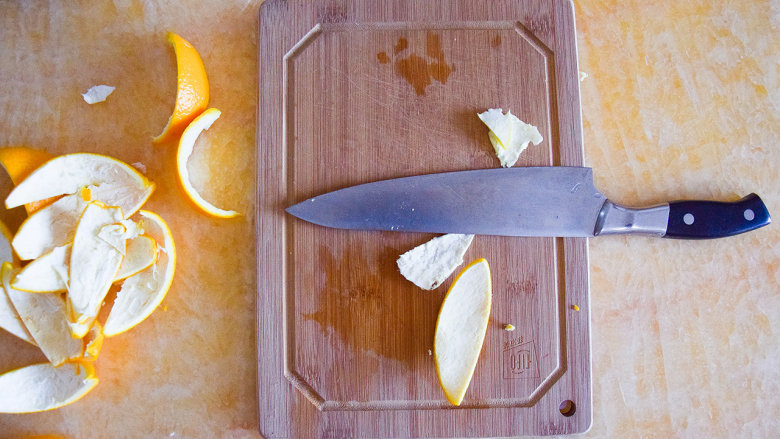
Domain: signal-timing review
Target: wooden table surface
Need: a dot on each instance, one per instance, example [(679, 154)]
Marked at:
[(680, 101)]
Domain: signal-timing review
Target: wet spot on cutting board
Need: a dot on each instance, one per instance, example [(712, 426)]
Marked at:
[(370, 307), (402, 44), (415, 70), (420, 71)]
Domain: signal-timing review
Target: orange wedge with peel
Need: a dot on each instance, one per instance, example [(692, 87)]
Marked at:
[(192, 89), (41, 387), (186, 146), (142, 292), (19, 162)]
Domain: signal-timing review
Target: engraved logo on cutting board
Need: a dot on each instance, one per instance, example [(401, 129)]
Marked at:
[(520, 359)]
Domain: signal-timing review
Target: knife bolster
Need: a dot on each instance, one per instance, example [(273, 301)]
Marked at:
[(615, 219)]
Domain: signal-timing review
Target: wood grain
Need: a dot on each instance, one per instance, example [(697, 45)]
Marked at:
[(353, 92)]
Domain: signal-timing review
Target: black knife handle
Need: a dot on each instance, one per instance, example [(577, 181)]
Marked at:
[(713, 219)]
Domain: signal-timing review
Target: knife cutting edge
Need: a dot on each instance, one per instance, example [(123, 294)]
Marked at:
[(527, 201)]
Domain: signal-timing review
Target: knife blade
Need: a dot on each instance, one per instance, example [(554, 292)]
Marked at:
[(528, 201)]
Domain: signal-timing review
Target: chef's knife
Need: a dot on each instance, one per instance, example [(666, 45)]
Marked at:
[(529, 201)]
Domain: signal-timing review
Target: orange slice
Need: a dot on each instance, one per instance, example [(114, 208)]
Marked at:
[(186, 145), (19, 162), (192, 90)]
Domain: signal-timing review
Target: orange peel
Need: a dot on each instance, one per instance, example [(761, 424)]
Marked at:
[(143, 292), (41, 387), (460, 329), (186, 145), (192, 89)]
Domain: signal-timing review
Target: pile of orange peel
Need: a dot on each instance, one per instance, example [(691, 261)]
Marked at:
[(85, 236)]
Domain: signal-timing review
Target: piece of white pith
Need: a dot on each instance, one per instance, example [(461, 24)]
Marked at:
[(430, 264), (509, 135)]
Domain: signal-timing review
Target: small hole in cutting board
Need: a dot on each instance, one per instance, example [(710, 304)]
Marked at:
[(567, 408)]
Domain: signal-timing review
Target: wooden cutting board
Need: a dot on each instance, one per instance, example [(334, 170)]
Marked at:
[(352, 92)]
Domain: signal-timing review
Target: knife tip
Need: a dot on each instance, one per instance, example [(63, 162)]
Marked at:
[(299, 210), (291, 210)]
